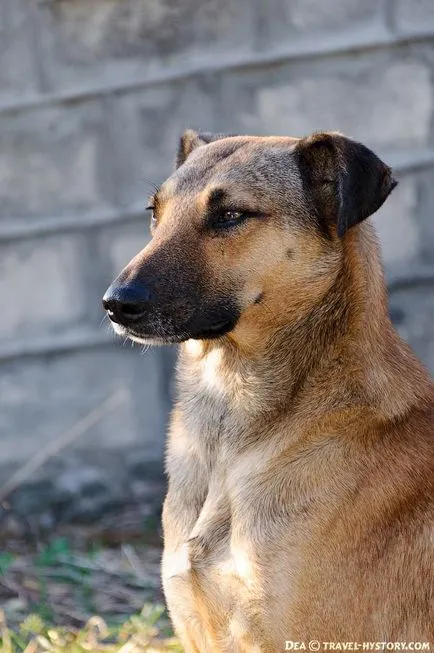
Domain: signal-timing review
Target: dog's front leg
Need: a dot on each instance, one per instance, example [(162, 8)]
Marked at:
[(192, 594), (179, 584)]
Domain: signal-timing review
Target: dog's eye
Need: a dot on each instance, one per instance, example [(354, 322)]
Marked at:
[(153, 218), (228, 219)]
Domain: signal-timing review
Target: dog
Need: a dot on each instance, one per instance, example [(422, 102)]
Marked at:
[(300, 455)]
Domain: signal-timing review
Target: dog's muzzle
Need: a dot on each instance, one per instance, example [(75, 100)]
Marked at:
[(143, 316)]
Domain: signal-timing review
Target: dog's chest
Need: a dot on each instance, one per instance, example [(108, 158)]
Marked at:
[(215, 565), (220, 516)]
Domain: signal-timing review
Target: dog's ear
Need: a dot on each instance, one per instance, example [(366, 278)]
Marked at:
[(190, 140), (345, 179)]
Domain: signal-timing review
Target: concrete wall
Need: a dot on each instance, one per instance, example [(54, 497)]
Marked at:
[(93, 97)]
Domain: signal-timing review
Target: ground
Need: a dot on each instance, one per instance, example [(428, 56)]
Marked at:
[(71, 594)]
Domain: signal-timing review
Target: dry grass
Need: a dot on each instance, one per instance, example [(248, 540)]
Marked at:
[(139, 634)]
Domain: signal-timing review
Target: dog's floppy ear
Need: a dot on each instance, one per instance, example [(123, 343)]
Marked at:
[(345, 179), (190, 140)]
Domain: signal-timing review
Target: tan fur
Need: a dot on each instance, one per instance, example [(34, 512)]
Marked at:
[(300, 453)]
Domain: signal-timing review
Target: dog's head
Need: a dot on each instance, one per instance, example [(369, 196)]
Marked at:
[(248, 231)]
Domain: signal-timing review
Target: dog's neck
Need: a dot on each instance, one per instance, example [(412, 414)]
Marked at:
[(346, 334)]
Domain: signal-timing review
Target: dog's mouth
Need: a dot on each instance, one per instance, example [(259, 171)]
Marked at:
[(216, 330), (141, 339), (169, 336)]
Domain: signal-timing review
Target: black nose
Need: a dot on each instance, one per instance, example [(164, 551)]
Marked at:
[(126, 303)]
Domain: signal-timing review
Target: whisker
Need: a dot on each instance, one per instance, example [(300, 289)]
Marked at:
[(152, 184)]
